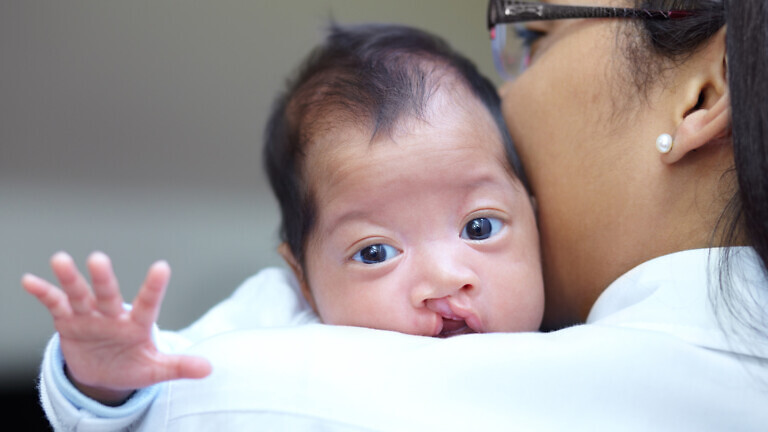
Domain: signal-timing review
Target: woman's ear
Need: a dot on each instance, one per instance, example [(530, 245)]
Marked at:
[(699, 128), (704, 108), (285, 251)]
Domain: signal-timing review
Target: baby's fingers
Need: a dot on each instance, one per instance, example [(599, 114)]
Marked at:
[(146, 306), (105, 286), (50, 296), (183, 367), (73, 283)]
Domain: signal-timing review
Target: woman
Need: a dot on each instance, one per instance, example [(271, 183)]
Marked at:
[(628, 217), (616, 86)]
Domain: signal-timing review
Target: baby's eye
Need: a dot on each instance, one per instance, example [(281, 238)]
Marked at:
[(375, 254), (481, 228)]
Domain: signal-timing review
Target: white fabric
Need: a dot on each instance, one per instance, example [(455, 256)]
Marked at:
[(651, 357), (271, 298)]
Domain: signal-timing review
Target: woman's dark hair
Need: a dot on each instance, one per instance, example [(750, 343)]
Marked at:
[(370, 76), (746, 216)]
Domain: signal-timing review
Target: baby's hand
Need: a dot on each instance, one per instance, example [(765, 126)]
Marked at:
[(109, 351)]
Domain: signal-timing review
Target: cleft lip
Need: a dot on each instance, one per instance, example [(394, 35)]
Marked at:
[(454, 318), (453, 328)]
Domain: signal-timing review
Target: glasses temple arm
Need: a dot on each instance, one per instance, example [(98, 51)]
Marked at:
[(502, 12)]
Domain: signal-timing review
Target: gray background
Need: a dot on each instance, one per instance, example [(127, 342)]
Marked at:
[(134, 127)]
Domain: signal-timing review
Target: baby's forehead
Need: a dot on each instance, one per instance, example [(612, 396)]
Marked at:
[(363, 183), (444, 101), (453, 121), (453, 101), (449, 101)]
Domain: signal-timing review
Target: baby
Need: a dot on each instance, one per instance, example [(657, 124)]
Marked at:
[(403, 208), (401, 205)]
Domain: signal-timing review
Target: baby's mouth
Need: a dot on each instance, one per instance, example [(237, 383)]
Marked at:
[(455, 319), (454, 327)]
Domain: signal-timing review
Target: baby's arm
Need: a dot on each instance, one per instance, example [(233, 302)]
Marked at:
[(108, 350)]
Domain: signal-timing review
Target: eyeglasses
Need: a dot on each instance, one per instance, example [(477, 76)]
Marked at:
[(511, 44)]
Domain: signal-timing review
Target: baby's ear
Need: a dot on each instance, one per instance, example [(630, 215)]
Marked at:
[(535, 206), (285, 251)]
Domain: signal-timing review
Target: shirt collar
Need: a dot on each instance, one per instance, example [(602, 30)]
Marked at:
[(675, 294)]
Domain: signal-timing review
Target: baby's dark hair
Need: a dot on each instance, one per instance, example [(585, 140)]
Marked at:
[(370, 75)]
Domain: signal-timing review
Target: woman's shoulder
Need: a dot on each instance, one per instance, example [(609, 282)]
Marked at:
[(479, 380), (672, 294)]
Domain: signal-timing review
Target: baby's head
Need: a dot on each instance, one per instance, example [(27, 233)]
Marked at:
[(403, 203)]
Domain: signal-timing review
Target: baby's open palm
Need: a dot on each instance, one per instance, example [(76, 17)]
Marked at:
[(108, 349)]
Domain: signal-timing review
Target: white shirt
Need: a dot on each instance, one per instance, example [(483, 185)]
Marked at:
[(651, 357)]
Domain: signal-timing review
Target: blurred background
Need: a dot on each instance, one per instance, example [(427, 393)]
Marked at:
[(135, 128)]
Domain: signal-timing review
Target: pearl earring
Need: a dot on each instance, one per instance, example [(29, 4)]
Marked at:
[(664, 143)]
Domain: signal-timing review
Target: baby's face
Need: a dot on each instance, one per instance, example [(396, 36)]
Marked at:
[(426, 233)]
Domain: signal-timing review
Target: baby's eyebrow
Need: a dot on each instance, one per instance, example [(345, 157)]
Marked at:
[(482, 181), (342, 219), (491, 181)]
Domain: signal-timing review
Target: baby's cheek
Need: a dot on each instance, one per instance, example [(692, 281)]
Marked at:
[(337, 307), (531, 303), (521, 306), (328, 311)]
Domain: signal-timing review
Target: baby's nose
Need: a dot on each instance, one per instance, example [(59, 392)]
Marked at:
[(441, 275)]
